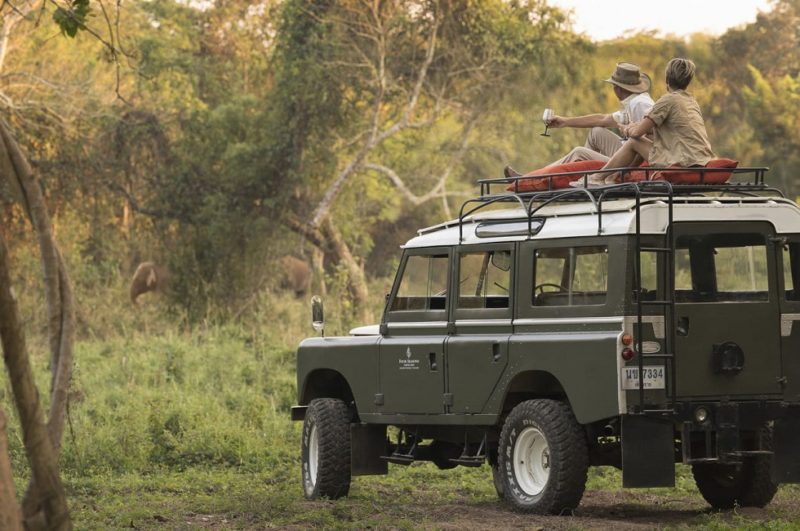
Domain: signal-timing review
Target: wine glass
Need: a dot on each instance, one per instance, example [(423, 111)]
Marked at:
[(547, 115), (622, 118)]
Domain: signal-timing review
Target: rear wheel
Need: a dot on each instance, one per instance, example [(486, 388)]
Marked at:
[(326, 449), (543, 458), (499, 482), (746, 485)]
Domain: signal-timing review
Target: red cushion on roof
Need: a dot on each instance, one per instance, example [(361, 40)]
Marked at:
[(554, 183), (688, 176)]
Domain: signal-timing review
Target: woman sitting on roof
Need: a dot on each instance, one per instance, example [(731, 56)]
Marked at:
[(679, 133)]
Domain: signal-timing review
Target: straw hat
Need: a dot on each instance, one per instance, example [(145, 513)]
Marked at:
[(629, 77)]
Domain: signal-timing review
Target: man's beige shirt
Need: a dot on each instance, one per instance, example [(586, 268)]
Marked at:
[(679, 137)]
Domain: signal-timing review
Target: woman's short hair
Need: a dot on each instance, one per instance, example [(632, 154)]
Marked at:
[(680, 73)]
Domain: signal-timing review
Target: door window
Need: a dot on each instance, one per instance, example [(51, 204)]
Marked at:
[(424, 284), (721, 268), (791, 270), (484, 279), (570, 276)]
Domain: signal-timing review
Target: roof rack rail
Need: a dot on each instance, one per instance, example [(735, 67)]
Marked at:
[(533, 201), (756, 185)]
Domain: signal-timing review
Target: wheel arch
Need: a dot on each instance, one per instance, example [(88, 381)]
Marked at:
[(531, 384), (326, 383)]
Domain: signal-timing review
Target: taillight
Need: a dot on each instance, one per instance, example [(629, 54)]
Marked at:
[(627, 340), (628, 354)]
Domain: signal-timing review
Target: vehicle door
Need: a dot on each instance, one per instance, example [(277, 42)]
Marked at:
[(477, 353), (411, 367), (727, 310), (789, 248)]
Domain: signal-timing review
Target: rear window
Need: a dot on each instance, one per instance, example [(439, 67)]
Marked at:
[(570, 276), (721, 268)]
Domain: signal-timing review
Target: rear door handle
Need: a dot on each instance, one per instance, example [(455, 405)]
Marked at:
[(495, 352), (683, 326)]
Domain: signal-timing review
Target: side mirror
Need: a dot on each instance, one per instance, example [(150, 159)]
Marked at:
[(501, 260), (317, 314)]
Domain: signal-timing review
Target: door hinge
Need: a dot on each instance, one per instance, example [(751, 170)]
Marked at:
[(448, 399)]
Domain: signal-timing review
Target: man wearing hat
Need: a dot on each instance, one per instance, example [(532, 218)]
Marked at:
[(630, 87)]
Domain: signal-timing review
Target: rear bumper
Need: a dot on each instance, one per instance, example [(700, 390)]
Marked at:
[(744, 416), (721, 432)]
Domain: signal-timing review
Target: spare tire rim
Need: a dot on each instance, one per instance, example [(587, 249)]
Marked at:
[(313, 455), (532, 461)]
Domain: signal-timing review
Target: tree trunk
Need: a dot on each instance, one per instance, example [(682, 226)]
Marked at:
[(60, 305), (358, 282), (10, 513), (38, 446), (33, 202)]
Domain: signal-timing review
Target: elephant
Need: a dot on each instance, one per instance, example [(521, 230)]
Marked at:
[(148, 277), (296, 275)]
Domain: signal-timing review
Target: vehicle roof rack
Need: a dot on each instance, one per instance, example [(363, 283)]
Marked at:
[(533, 201), (755, 183)]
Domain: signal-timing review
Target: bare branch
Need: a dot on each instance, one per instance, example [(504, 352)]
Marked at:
[(438, 189), (400, 185), (375, 138), (134, 204)]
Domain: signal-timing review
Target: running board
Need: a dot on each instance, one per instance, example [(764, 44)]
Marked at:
[(471, 460), (399, 459)]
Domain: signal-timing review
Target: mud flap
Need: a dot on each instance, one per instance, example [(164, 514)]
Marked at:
[(648, 452), (367, 445), (786, 444)]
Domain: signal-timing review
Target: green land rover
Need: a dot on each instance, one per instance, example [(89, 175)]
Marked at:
[(636, 325)]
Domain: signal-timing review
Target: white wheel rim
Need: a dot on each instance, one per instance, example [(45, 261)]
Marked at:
[(313, 455), (532, 461)]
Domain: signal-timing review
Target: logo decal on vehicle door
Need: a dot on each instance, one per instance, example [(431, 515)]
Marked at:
[(407, 363)]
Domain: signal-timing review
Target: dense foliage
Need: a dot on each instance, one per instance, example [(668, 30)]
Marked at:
[(215, 137)]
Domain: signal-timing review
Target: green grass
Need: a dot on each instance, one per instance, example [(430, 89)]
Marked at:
[(184, 429)]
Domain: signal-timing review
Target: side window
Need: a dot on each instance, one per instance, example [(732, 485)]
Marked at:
[(721, 267), (424, 284), (484, 279), (570, 276), (791, 270)]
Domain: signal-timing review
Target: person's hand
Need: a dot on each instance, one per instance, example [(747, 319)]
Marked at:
[(557, 122), (629, 131)]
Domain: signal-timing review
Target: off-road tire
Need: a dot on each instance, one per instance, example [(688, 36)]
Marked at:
[(565, 453), (327, 419), (747, 485), (499, 481)]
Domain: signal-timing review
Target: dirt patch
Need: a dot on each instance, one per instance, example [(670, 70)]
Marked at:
[(625, 510)]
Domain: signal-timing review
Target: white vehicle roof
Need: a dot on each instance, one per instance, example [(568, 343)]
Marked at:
[(574, 219)]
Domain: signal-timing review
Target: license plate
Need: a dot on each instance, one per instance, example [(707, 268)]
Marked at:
[(653, 377)]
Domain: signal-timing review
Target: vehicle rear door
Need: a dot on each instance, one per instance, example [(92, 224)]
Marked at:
[(477, 353), (727, 310)]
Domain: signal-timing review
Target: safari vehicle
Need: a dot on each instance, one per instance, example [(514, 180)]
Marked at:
[(637, 325)]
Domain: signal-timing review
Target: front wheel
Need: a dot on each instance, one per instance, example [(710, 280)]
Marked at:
[(543, 458), (326, 449)]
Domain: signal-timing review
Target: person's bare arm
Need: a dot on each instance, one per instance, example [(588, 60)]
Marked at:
[(639, 129), (588, 120)]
